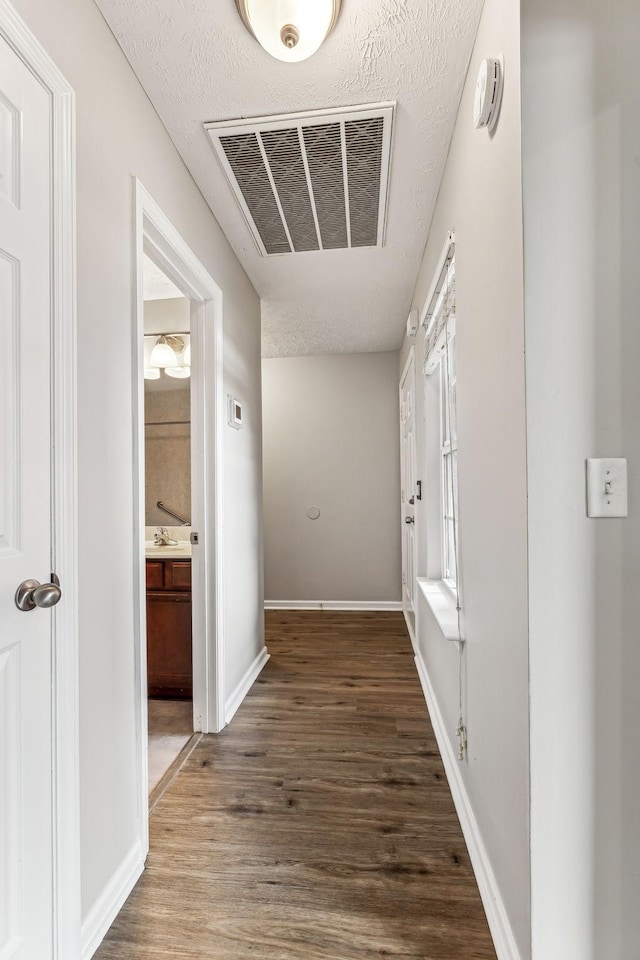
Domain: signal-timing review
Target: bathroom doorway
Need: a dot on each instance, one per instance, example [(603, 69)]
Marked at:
[(178, 423), (168, 548)]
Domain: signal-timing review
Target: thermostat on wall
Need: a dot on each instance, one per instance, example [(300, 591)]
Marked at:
[(486, 105), (235, 413)]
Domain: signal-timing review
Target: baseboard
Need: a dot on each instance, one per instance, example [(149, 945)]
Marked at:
[(333, 605), (233, 702), (111, 901), (501, 932), (412, 636)]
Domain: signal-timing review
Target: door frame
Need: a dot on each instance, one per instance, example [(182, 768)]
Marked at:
[(156, 236), (64, 655), (409, 369)]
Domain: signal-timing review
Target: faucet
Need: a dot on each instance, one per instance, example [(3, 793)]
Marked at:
[(162, 537)]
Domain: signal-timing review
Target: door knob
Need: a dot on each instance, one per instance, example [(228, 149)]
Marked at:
[(409, 519), (31, 594)]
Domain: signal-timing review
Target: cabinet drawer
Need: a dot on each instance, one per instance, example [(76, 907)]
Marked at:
[(179, 572), (155, 574)]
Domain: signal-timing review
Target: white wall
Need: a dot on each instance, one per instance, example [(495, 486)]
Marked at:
[(581, 148), (119, 136), (331, 440), (481, 200), (172, 315)]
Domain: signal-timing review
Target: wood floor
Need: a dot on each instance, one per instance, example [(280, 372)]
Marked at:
[(319, 825)]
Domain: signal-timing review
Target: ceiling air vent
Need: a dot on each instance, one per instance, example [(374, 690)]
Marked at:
[(315, 181)]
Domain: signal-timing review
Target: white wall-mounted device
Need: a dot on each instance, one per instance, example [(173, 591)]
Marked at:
[(607, 488), (412, 323), (234, 416), (486, 104)]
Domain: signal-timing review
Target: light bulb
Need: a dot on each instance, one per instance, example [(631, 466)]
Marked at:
[(290, 30), (186, 357)]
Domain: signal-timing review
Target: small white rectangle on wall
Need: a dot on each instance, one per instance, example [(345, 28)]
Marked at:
[(607, 488), (234, 414)]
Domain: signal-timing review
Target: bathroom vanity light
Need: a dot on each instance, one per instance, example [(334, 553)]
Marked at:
[(164, 354), (171, 354), (290, 30), (180, 373)]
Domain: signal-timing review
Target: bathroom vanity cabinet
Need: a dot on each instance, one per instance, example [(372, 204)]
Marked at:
[(169, 663)]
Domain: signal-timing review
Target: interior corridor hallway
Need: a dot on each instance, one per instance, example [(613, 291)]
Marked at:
[(319, 825)]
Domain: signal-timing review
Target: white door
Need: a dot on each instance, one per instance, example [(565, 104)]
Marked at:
[(408, 485), (26, 860)]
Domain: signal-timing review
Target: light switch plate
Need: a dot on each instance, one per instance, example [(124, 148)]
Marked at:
[(607, 488)]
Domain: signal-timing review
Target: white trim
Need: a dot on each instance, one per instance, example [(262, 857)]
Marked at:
[(438, 597), (65, 735), (156, 237), (410, 359), (501, 932), (410, 631), (242, 689), (111, 900), (333, 605), (433, 287), (409, 368)]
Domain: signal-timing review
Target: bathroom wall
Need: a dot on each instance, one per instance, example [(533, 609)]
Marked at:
[(167, 316), (167, 452)]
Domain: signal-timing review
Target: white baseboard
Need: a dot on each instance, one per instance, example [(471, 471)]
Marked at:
[(111, 901), (501, 932), (235, 699), (412, 636), (333, 605)]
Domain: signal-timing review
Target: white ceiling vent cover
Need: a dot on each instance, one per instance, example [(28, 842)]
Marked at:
[(314, 181)]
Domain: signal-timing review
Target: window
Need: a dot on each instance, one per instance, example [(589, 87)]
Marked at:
[(449, 459), (440, 364)]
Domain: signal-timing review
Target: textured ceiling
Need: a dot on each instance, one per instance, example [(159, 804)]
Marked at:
[(197, 62)]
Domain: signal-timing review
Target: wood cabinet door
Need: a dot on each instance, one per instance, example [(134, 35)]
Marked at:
[(169, 660)]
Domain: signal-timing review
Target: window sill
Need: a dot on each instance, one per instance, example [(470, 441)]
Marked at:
[(442, 605)]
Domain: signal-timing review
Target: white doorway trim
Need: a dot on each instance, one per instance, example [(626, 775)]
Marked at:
[(409, 371), (65, 766), (156, 237)]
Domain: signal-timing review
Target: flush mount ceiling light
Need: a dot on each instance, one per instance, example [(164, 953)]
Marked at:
[(290, 30)]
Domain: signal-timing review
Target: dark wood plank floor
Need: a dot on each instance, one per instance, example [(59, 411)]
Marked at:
[(319, 825)]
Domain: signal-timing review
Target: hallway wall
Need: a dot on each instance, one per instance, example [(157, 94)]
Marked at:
[(581, 150), (481, 201), (119, 136), (331, 440)]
